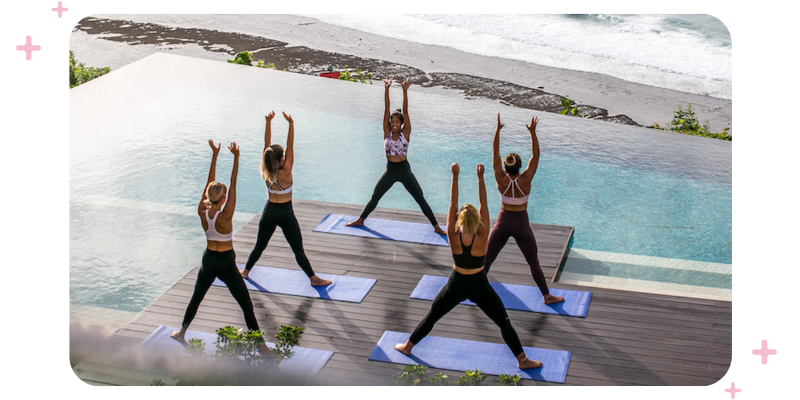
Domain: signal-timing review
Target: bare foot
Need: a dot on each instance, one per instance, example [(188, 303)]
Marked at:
[(404, 348), (245, 273), (265, 352), (358, 222), (525, 363), (439, 230), (178, 335), (317, 281), (550, 299)]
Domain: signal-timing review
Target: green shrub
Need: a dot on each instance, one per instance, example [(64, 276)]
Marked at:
[(80, 73), (357, 76), (472, 378), (569, 107), (236, 350), (686, 122), (508, 380)]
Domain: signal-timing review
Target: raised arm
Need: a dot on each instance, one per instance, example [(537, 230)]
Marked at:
[(211, 175), (230, 205), (484, 208), (452, 211), (288, 155), (533, 163), (497, 163), (406, 118), (268, 130), (386, 112)]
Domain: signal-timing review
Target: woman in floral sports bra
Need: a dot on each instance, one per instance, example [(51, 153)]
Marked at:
[(276, 169), (397, 134), (512, 221)]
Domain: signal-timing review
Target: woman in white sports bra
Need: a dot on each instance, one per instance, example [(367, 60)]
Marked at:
[(512, 221), (276, 169), (219, 261), (397, 134)]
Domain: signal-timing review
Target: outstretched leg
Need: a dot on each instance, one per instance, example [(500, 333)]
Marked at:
[(498, 238), (291, 231), (384, 184), (266, 227), (527, 244), (411, 184), (235, 283), (205, 277), (446, 300)]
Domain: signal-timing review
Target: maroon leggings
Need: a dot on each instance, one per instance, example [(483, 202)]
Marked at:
[(515, 224)]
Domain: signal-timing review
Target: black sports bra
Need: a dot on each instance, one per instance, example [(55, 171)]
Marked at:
[(465, 259)]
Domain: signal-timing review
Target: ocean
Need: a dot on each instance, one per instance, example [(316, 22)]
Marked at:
[(687, 53)]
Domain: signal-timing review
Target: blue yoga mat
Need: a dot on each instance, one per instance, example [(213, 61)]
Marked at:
[(295, 282), (305, 361), (463, 355), (515, 297), (382, 229)]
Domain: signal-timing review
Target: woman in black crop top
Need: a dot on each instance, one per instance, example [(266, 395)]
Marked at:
[(468, 234)]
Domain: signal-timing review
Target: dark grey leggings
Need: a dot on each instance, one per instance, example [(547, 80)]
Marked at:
[(399, 172), (274, 215), (222, 265), (477, 289)]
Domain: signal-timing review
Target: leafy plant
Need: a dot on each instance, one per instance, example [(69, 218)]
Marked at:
[(243, 57), (412, 375), (358, 76), (261, 64), (569, 107), (686, 122), (236, 351), (472, 378), (79, 73), (288, 336), (508, 380)]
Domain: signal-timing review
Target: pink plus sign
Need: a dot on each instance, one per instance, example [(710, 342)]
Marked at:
[(60, 9), (764, 352), (733, 390), (28, 47)]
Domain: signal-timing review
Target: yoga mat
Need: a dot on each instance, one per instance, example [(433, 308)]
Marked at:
[(463, 355), (515, 297), (382, 229), (305, 361), (295, 282)]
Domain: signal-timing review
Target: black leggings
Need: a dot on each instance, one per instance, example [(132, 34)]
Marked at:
[(476, 288), (222, 265), (399, 172), (274, 215)]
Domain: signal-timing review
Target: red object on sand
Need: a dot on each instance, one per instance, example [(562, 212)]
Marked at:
[(334, 75)]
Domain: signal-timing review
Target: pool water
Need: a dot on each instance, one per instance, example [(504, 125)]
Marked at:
[(139, 158)]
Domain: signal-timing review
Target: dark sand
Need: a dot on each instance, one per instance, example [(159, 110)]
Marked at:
[(307, 46)]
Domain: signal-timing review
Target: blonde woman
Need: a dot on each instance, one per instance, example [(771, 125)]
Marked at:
[(215, 210), (276, 169), (512, 221), (468, 234)]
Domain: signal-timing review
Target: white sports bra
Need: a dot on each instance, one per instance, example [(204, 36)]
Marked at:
[(510, 200), (211, 232), (280, 189)]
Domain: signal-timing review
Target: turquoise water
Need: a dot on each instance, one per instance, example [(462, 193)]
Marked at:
[(139, 158)]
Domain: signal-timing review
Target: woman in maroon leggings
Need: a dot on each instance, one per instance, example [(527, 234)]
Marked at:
[(512, 221)]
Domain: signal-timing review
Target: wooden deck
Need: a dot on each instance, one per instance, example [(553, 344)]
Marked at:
[(627, 338)]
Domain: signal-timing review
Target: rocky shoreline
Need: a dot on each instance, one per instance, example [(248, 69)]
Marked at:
[(306, 60)]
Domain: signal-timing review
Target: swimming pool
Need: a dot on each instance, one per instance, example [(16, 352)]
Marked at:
[(639, 199)]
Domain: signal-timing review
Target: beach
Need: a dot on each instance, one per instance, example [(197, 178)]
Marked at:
[(306, 45)]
